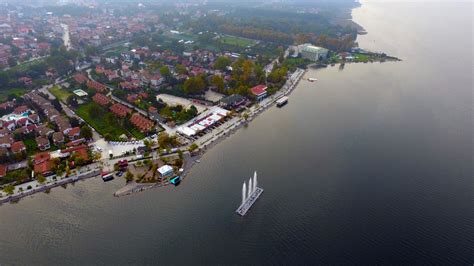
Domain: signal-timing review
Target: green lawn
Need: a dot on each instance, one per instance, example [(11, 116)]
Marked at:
[(60, 93), (105, 123), (136, 133), (237, 41), (31, 146)]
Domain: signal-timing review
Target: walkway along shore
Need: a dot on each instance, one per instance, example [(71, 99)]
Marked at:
[(47, 186), (207, 144)]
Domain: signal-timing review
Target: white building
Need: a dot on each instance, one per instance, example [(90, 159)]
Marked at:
[(314, 53), (165, 170)]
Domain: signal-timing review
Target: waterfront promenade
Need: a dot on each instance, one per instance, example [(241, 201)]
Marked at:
[(32, 187)]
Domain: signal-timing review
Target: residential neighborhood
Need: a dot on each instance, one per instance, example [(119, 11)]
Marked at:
[(83, 88)]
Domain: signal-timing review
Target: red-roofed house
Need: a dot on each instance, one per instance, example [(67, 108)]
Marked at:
[(76, 142), (79, 151), (142, 123), (41, 157), (34, 118), (44, 168), (21, 110), (18, 147), (259, 92), (96, 86), (101, 99), (80, 78), (74, 133), (120, 110), (44, 46), (99, 69)]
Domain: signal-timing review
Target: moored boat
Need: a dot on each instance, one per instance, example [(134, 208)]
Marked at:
[(282, 101), (175, 180), (107, 176)]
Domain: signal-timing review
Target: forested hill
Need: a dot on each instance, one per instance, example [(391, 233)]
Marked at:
[(283, 24)]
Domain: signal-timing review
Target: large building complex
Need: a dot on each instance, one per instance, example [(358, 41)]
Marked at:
[(314, 53)]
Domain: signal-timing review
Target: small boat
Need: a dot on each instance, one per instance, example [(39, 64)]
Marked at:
[(312, 79), (107, 176), (282, 101), (175, 180)]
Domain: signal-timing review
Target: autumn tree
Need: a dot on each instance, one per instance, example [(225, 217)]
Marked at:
[(218, 82), (194, 85), (181, 69)]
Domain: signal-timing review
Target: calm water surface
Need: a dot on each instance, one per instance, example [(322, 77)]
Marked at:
[(371, 164)]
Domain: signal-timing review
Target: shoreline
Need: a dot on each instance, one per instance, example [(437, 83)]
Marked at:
[(288, 87), (47, 186)]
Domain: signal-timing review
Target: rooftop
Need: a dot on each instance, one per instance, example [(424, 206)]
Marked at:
[(259, 90), (80, 93)]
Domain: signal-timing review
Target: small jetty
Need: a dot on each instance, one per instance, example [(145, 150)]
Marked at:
[(249, 197)]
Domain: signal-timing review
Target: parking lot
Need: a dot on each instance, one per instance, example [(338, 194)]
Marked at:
[(174, 100)]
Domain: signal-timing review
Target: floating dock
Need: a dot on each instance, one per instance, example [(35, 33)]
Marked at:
[(249, 197), (245, 207)]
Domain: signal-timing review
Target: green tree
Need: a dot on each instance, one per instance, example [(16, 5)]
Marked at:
[(194, 85), (9, 189), (181, 69), (108, 137), (193, 147), (72, 100), (245, 116), (79, 161), (165, 72), (222, 63), (129, 176), (40, 178), (86, 132)]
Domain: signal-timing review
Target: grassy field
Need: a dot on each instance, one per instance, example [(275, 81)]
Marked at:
[(136, 133), (25, 65), (104, 124), (60, 93), (237, 41), (18, 92)]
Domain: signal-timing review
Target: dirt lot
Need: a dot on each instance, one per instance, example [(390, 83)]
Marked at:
[(174, 100)]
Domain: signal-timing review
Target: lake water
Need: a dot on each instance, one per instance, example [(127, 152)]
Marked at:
[(371, 164)]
